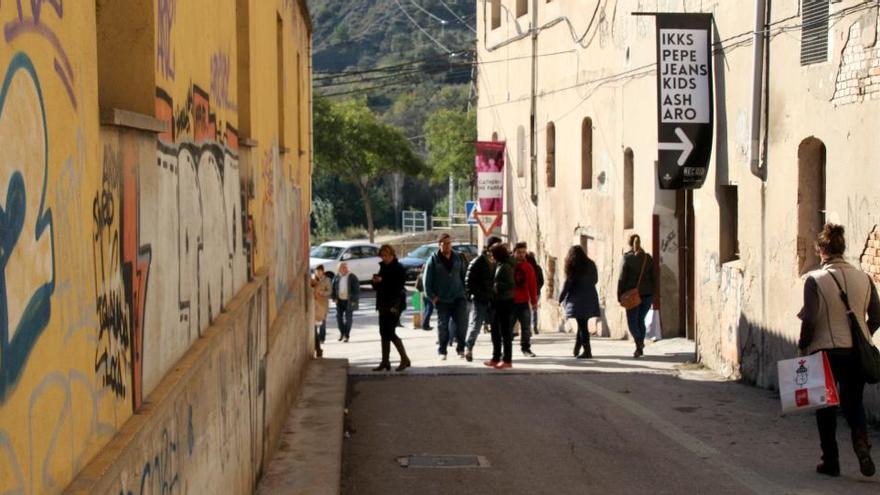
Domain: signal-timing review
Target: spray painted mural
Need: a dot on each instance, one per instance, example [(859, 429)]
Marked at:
[(119, 247)]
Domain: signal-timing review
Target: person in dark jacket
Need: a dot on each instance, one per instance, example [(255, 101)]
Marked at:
[(539, 279), (579, 297), (444, 285), (479, 282), (502, 305), (637, 272), (825, 327), (389, 286)]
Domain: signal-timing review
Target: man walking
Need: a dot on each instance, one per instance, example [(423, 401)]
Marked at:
[(346, 294), (479, 283), (444, 286), (525, 296)]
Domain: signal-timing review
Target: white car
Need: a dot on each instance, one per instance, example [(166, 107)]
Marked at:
[(362, 258)]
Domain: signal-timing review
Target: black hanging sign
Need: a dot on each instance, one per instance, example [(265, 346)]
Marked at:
[(685, 98)]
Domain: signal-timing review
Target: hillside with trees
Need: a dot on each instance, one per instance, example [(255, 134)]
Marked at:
[(407, 61)]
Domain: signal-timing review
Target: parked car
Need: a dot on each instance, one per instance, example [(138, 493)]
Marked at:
[(362, 258), (415, 259)]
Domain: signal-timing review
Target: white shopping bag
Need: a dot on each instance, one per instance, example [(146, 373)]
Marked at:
[(652, 325), (806, 383)]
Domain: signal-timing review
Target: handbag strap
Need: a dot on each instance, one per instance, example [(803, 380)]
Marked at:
[(642, 273), (843, 296)]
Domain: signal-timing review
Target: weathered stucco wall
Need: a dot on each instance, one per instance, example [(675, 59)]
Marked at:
[(129, 252), (604, 70)]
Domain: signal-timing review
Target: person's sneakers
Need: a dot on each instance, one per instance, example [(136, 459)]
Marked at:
[(319, 353), (528, 354), (828, 468), (461, 355), (491, 363), (345, 339), (536, 331), (469, 356), (503, 365), (340, 338), (586, 355), (427, 328), (442, 357), (866, 465)]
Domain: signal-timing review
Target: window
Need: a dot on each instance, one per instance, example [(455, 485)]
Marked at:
[(370, 251), (128, 62), (243, 38), (811, 201), (522, 7), (587, 154), (728, 205), (521, 151), (279, 41), (814, 31), (551, 155), (628, 199), (496, 14)]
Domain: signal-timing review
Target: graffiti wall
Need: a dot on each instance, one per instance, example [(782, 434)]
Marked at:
[(128, 253)]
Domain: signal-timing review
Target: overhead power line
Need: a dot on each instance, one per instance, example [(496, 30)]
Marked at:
[(416, 24), (462, 21)]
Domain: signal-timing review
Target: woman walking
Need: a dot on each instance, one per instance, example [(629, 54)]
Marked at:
[(636, 277), (389, 286), (579, 297), (502, 304), (825, 327), (322, 288)]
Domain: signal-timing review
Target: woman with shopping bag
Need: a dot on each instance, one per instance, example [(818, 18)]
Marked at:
[(831, 293)]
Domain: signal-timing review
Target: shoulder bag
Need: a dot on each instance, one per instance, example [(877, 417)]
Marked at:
[(865, 352), (631, 298)]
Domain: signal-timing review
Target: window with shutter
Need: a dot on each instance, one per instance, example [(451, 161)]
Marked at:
[(814, 31)]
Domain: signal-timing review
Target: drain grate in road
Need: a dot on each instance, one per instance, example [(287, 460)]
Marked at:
[(443, 461)]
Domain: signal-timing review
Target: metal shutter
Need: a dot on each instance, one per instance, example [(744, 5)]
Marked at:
[(814, 31)]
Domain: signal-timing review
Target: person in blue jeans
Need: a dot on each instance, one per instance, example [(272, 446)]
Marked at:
[(637, 271), (444, 286), (345, 293), (479, 281)]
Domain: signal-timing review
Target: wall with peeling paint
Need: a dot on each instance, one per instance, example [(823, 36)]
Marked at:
[(602, 67), (139, 263)]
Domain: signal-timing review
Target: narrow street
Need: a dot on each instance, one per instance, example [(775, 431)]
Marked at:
[(557, 425)]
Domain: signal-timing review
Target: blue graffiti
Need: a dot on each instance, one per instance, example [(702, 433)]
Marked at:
[(14, 353)]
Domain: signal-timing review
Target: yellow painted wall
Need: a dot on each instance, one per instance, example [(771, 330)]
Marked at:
[(121, 247)]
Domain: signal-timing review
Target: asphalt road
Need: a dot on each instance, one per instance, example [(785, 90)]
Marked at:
[(555, 425)]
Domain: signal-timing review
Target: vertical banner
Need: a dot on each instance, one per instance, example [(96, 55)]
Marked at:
[(685, 94), (490, 176)]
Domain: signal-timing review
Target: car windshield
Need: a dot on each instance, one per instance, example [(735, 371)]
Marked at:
[(423, 252), (326, 252)]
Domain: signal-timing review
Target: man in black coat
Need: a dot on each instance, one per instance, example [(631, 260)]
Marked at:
[(479, 282)]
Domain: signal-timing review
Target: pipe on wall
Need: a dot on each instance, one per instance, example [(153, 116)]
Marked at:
[(759, 36)]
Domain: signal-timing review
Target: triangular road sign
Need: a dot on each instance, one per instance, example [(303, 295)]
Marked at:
[(488, 220)]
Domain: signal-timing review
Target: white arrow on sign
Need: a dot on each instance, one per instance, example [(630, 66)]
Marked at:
[(686, 146)]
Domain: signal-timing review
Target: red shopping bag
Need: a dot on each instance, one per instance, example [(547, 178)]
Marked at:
[(806, 383)]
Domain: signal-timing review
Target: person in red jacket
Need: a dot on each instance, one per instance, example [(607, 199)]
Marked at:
[(525, 296)]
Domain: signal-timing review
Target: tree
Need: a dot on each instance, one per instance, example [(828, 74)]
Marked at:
[(353, 144), (450, 136)]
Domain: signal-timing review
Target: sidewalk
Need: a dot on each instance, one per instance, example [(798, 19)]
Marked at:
[(553, 350)]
